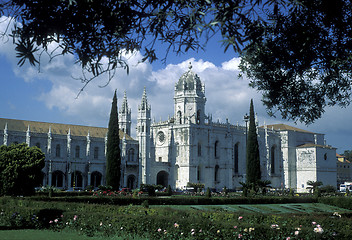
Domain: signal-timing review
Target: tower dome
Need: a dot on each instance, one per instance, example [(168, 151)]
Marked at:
[(189, 81)]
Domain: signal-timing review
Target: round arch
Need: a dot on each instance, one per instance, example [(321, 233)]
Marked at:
[(77, 179), (57, 179), (131, 181), (162, 178), (95, 179)]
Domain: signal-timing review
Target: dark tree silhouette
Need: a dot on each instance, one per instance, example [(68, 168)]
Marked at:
[(253, 159), (113, 153)]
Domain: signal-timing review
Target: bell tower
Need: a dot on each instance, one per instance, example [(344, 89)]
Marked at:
[(143, 134), (125, 116), (189, 99)]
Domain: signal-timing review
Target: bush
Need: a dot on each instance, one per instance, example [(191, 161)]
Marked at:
[(165, 223), (208, 193), (328, 189)]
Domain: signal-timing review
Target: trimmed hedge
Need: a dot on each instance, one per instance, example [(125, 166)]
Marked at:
[(342, 202), (184, 200)]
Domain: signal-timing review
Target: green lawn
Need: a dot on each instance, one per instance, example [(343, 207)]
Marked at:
[(27, 234), (264, 208)]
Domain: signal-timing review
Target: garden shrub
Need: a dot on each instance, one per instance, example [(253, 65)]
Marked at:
[(167, 223), (208, 193), (46, 215), (342, 202)]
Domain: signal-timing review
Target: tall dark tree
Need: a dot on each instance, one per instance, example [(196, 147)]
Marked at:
[(253, 159), (113, 153), (20, 169)]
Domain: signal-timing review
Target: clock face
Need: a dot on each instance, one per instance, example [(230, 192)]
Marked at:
[(161, 137)]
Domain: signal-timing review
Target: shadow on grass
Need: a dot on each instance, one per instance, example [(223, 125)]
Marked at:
[(13, 228)]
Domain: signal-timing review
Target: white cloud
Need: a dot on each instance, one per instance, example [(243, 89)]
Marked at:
[(227, 95)]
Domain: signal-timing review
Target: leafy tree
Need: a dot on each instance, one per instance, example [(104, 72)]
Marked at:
[(252, 158), (20, 169), (113, 153), (301, 61), (264, 185), (314, 185), (297, 52), (348, 155)]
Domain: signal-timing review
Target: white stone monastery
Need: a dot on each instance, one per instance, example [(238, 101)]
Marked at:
[(188, 147)]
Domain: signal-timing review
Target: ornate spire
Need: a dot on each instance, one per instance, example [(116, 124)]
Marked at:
[(144, 97), (5, 135), (190, 66), (49, 141), (124, 107), (28, 137), (144, 104)]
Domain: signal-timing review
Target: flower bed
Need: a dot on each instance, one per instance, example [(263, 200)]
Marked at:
[(167, 223)]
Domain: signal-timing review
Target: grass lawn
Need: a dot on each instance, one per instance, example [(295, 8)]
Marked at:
[(264, 208), (29, 234)]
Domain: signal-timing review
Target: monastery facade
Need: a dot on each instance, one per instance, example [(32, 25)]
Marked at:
[(188, 147)]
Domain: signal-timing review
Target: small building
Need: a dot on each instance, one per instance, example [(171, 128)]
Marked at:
[(344, 169)]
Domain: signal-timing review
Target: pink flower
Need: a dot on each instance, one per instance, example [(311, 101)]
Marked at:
[(159, 229), (51, 222), (56, 220), (75, 218), (314, 223), (296, 233), (176, 225), (234, 227), (240, 217), (288, 238), (318, 230), (240, 235), (274, 226)]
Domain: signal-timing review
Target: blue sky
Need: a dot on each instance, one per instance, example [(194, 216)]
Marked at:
[(49, 94)]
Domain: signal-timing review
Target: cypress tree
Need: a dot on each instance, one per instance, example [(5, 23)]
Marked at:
[(113, 155), (253, 159)]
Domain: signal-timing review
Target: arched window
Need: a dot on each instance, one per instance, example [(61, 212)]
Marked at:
[(216, 149), (96, 153), (77, 179), (198, 117), (177, 149), (198, 173), (235, 155), (216, 177), (179, 117), (58, 150), (77, 151), (272, 153), (199, 149), (162, 178), (57, 179), (131, 181), (95, 179), (131, 155)]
